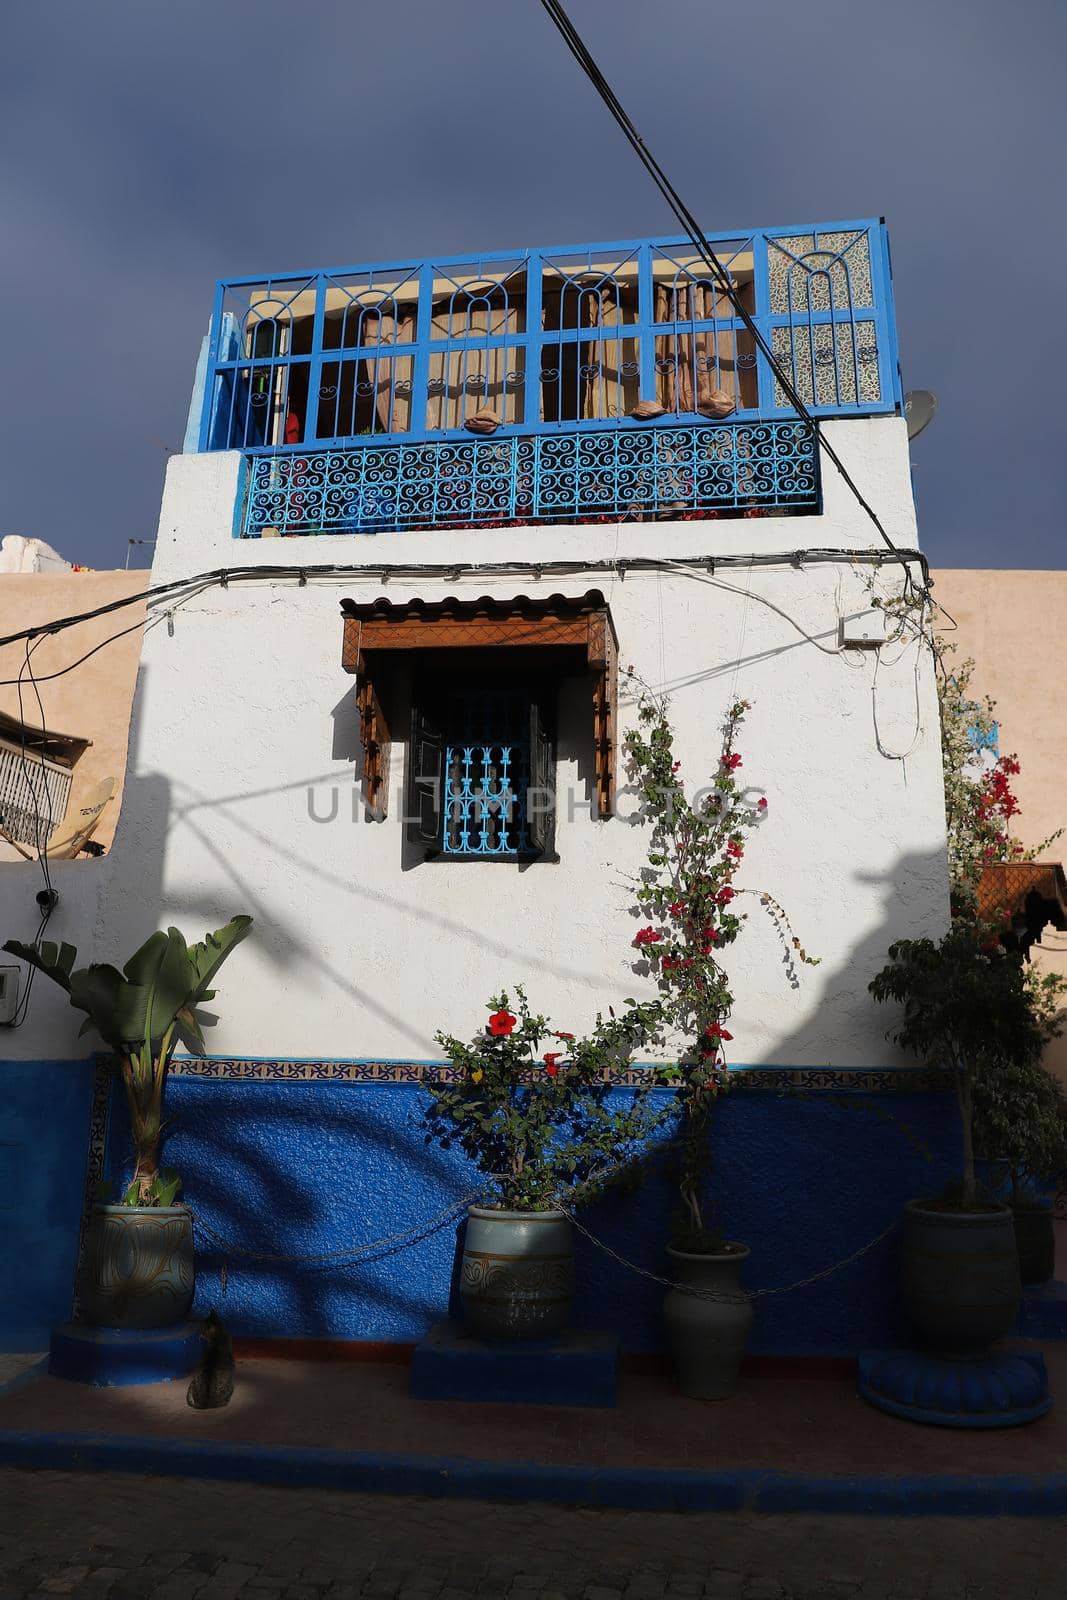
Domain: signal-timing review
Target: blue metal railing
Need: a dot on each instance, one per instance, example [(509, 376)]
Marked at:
[(624, 472), (551, 341)]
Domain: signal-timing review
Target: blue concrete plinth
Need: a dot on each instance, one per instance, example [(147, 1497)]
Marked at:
[(1001, 1390), (1043, 1313), (114, 1357), (576, 1368)]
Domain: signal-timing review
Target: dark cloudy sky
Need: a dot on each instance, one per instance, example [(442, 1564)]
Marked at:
[(150, 146)]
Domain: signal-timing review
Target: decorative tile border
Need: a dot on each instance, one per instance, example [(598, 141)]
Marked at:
[(99, 1117), (873, 1080)]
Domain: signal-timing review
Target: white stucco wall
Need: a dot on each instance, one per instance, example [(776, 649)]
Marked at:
[(244, 707)]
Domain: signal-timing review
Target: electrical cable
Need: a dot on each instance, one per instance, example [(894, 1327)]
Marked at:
[(700, 243), (222, 576), (24, 1005), (40, 843)]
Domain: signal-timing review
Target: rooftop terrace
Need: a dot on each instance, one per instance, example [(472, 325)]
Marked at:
[(608, 380)]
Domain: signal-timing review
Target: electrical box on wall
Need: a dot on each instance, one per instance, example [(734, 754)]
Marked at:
[(864, 630), (9, 993)]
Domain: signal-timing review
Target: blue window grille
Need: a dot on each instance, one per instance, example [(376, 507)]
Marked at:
[(487, 774), (354, 392)]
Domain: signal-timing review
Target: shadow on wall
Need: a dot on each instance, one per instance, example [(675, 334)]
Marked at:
[(301, 1169)]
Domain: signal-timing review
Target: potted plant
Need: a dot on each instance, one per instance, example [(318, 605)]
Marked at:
[(688, 889), (1020, 1132), (138, 1270), (539, 1125), (964, 1009)]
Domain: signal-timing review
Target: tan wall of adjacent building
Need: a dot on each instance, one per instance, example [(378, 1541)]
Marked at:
[(92, 702), (1011, 623)]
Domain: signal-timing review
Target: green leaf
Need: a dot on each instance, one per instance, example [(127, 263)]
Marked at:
[(207, 957), (189, 1029), (130, 1197), (54, 960), (115, 1007), (166, 1185)]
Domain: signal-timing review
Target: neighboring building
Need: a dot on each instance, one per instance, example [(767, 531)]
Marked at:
[(1021, 663), (75, 738), (467, 496)]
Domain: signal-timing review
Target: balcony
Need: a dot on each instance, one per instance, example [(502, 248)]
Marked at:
[(604, 381)]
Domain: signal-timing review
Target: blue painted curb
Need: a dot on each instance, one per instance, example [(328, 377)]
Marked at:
[(623, 1488)]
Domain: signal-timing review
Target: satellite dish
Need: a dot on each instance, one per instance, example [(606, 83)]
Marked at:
[(919, 408)]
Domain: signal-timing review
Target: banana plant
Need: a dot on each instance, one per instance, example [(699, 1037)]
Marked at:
[(141, 1012)]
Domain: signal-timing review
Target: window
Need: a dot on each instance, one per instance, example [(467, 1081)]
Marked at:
[(481, 761), (481, 772)]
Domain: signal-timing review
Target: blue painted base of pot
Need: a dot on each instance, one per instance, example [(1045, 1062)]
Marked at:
[(1002, 1390), (576, 1368), (120, 1357), (1043, 1313)]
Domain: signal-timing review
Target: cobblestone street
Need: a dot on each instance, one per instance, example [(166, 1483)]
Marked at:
[(127, 1538)]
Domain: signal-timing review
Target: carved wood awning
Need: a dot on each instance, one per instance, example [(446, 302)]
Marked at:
[(374, 629), (1031, 893)]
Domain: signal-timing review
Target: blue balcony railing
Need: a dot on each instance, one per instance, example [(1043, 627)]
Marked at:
[(363, 376), (616, 473)]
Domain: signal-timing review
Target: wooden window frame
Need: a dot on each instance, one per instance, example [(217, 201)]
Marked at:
[(375, 631)]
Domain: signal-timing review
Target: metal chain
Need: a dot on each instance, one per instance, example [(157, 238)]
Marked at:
[(710, 1294), (352, 1252)]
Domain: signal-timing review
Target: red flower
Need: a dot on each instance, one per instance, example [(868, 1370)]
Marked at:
[(568, 1036), (677, 767), (710, 933), (501, 1024), (762, 803), (715, 1030), (677, 908), (735, 849), (647, 936), (724, 896), (551, 1061), (731, 762)]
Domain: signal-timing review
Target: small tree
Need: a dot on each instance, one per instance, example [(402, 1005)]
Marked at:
[(965, 1008), (687, 888), (141, 1012)]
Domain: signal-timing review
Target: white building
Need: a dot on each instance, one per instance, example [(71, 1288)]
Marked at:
[(487, 574)]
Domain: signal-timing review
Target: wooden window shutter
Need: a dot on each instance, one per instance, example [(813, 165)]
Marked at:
[(541, 793), (425, 777)]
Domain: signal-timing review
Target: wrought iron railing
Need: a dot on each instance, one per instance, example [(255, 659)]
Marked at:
[(33, 795), (552, 342), (618, 473)]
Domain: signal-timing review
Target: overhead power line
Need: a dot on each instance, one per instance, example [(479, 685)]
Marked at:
[(703, 248), (222, 577)]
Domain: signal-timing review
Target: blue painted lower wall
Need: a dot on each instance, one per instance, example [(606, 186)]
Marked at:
[(44, 1138), (317, 1167)]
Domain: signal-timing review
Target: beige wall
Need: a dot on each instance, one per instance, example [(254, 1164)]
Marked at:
[(92, 702), (1011, 623)]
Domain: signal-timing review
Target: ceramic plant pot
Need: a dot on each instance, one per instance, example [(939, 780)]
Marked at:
[(1035, 1240), (517, 1273), (707, 1337), (138, 1269), (959, 1277)]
